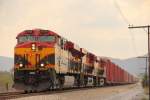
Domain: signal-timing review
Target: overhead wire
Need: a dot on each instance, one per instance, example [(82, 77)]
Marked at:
[(121, 13), (128, 23)]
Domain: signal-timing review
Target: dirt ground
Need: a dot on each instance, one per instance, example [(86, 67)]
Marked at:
[(124, 92)]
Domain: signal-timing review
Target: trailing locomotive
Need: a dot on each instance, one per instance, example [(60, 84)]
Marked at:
[(43, 59)]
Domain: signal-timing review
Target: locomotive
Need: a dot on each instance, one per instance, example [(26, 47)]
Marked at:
[(43, 59)]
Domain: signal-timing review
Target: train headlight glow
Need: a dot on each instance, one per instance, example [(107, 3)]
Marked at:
[(33, 47), (42, 65), (20, 65)]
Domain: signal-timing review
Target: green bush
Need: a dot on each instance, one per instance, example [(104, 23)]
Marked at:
[(145, 80)]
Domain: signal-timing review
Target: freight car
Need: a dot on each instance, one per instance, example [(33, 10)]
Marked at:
[(43, 60)]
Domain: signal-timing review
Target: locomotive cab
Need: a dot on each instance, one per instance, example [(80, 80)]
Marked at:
[(32, 50), (34, 57)]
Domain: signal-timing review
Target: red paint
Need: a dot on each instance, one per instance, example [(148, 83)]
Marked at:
[(37, 32), (115, 74), (71, 47)]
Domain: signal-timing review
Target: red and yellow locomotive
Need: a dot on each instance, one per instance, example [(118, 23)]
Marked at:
[(34, 59), (43, 59)]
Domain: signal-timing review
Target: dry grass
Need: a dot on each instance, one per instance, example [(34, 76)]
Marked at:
[(5, 77), (146, 90)]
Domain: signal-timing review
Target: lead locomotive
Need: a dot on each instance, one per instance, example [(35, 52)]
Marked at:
[(43, 59)]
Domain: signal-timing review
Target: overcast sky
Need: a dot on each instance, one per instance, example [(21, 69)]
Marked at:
[(96, 25)]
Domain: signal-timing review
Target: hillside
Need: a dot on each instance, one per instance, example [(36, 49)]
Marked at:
[(6, 63), (134, 65)]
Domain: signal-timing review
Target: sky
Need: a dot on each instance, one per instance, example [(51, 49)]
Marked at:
[(100, 26)]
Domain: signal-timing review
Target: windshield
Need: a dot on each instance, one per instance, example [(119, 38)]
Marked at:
[(33, 39), (46, 38), (26, 38)]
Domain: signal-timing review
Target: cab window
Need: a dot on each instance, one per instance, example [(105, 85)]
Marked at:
[(46, 38), (23, 39), (26, 38)]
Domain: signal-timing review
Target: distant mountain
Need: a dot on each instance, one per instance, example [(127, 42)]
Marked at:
[(6, 63), (133, 65)]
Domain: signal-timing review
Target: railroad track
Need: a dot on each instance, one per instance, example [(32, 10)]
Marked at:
[(14, 95), (5, 96)]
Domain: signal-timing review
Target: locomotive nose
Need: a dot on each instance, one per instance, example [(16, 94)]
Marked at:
[(33, 55), (32, 60), (25, 55)]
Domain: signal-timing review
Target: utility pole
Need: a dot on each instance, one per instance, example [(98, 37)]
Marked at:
[(148, 31), (145, 69)]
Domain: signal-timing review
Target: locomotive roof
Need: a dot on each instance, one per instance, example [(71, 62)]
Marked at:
[(104, 58), (37, 32)]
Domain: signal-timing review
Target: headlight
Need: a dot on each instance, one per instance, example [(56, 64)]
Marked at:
[(42, 65), (20, 65), (33, 47)]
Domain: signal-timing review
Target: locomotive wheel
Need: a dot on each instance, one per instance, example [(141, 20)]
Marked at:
[(25, 91), (30, 91), (80, 80), (60, 82), (35, 91), (85, 80), (77, 81), (94, 81), (98, 82), (52, 79), (102, 82), (51, 85)]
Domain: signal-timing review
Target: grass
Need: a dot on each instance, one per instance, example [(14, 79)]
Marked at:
[(146, 90), (5, 78)]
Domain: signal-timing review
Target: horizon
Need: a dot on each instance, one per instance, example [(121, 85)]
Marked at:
[(96, 55)]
